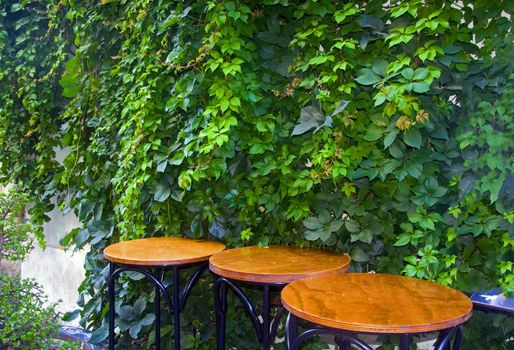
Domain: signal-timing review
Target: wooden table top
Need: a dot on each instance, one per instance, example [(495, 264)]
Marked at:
[(376, 303), (276, 264), (162, 251)]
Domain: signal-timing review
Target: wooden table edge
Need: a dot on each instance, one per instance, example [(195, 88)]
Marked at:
[(360, 328), (285, 278), (157, 263)]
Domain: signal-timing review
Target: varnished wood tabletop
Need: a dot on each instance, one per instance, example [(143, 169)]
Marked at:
[(276, 264), (376, 303), (163, 251)]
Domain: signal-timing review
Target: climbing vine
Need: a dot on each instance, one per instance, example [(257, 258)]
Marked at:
[(382, 129)]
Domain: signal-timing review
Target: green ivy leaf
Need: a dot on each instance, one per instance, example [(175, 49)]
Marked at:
[(352, 225), (134, 331), (311, 235), (162, 192), (412, 137), (358, 255), (390, 137), (373, 133), (99, 335), (312, 223), (402, 240), (367, 77)]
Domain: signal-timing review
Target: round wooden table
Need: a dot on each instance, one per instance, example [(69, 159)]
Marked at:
[(270, 268), (342, 305), (152, 257)]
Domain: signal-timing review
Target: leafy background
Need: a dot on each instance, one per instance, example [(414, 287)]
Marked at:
[(381, 129)]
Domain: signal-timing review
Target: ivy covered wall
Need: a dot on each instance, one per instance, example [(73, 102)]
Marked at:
[(381, 129)]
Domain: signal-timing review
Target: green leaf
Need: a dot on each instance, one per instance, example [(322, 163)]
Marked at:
[(408, 73), (352, 225), (148, 319), (311, 235), (373, 133), (312, 223), (126, 312), (324, 235), (402, 241), (367, 77), (342, 106), (420, 87), (365, 236), (390, 137), (139, 306), (358, 255), (302, 128), (380, 67), (161, 167), (162, 192), (335, 226), (99, 335), (412, 137), (134, 331), (495, 187)]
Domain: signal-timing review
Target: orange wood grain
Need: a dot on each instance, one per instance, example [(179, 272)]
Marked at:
[(162, 251), (376, 303), (276, 264)]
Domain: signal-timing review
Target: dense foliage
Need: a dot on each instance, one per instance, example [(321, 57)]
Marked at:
[(15, 228), (383, 129)]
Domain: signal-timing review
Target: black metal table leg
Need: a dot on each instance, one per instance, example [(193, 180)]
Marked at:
[(343, 344), (176, 307), (266, 306), (111, 306), (158, 313), (176, 304), (405, 340), (220, 305)]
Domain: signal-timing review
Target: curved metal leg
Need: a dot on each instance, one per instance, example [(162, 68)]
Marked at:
[(158, 313), (265, 330), (190, 283), (444, 341), (276, 322), (291, 330), (250, 310), (175, 306), (294, 341)]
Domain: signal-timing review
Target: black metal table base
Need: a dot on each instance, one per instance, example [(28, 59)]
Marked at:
[(266, 329), (176, 301), (449, 339)]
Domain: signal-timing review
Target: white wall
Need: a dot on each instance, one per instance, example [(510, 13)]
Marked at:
[(60, 272)]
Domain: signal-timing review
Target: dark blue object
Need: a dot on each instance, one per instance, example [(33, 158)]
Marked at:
[(493, 300), (74, 333)]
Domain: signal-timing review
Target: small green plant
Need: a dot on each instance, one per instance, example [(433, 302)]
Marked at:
[(27, 319), (15, 241)]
